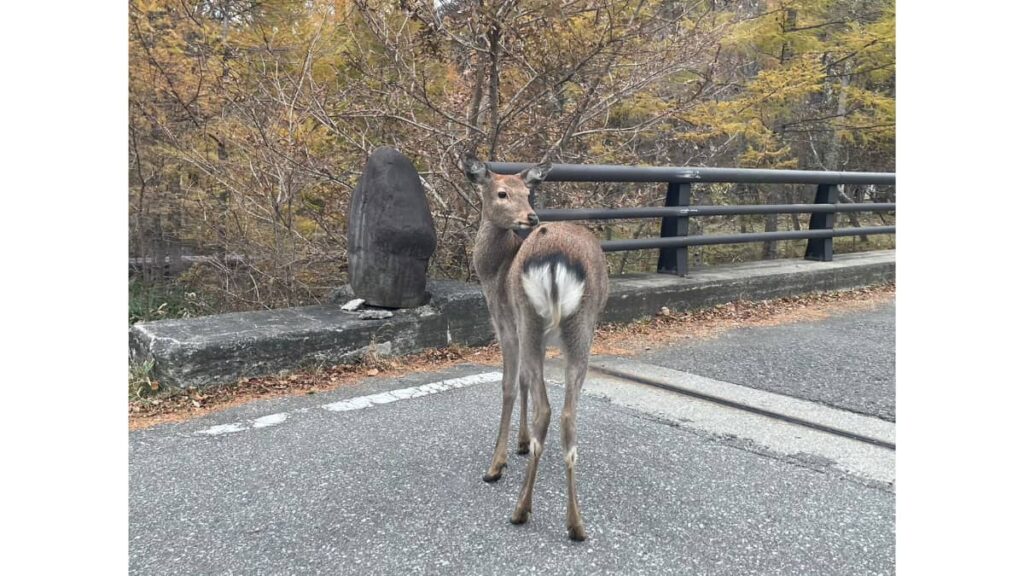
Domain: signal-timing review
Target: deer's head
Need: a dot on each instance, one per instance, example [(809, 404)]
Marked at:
[(506, 199)]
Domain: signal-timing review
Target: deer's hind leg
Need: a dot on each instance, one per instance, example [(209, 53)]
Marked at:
[(531, 371), (510, 369), (523, 444), (577, 338)]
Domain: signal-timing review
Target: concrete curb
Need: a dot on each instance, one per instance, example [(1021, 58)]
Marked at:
[(220, 349), (822, 418)]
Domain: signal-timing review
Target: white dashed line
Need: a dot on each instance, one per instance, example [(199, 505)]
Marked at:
[(223, 429), (414, 392), (359, 402), (271, 420)]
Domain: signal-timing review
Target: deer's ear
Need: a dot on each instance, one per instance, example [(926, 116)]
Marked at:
[(475, 170), (536, 174)]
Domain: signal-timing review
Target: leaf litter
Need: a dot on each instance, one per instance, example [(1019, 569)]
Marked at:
[(665, 328)]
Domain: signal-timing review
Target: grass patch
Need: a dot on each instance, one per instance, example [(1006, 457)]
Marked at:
[(148, 301), (141, 383)]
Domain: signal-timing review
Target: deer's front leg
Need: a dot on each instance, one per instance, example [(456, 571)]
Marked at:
[(510, 360)]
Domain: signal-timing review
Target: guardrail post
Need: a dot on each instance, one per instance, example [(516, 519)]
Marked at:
[(820, 249), (673, 260)]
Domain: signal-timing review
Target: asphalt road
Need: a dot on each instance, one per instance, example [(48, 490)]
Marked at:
[(351, 483), (847, 360)]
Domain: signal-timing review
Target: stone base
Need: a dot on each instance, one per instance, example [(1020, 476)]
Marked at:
[(220, 349)]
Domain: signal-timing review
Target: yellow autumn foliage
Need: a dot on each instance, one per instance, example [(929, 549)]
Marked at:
[(250, 120)]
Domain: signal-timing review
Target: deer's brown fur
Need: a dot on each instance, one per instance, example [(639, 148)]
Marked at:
[(552, 286)]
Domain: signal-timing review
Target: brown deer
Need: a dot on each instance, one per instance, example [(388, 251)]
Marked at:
[(547, 288)]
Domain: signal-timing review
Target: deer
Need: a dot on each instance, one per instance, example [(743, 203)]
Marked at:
[(549, 288)]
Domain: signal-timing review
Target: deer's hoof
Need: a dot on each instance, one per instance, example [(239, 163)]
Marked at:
[(520, 516), (577, 533), (494, 476)]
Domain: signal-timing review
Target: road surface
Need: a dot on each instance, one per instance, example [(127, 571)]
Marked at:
[(764, 451)]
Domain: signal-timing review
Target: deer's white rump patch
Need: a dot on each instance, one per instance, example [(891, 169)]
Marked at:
[(554, 290)]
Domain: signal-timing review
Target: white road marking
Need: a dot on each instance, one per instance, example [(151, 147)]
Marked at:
[(785, 406), (223, 429), (359, 402), (270, 420), (777, 436)]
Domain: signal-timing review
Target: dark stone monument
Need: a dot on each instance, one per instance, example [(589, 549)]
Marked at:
[(390, 233)]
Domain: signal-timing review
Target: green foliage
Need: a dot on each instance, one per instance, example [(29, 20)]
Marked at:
[(825, 79), (141, 383), (159, 301)]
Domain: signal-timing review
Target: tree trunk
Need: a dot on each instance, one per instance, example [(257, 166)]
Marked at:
[(771, 221), (794, 198), (494, 49), (473, 117), (771, 249), (835, 145)]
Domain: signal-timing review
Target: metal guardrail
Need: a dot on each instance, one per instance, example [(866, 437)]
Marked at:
[(676, 212)]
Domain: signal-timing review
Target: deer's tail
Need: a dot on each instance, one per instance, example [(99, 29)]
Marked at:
[(554, 285)]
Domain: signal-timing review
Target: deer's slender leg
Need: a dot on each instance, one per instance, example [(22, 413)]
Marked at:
[(531, 369), (510, 361), (523, 445), (577, 360)]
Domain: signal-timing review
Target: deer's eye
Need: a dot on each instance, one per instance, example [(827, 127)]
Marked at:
[(502, 195)]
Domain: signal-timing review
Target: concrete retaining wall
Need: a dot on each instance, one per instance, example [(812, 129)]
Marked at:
[(220, 349)]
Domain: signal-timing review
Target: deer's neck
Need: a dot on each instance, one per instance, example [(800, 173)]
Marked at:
[(493, 253)]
